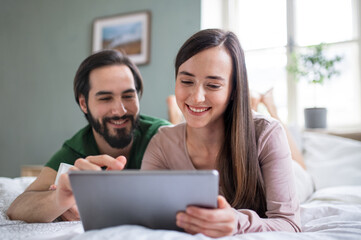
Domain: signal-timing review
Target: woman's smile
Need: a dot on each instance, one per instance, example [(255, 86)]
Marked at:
[(197, 110)]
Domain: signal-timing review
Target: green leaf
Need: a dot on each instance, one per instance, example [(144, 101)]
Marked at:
[(313, 66)]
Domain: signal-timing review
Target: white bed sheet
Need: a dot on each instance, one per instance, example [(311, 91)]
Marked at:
[(331, 160), (332, 212)]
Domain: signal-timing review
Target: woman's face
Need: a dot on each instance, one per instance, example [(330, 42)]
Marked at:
[(203, 87)]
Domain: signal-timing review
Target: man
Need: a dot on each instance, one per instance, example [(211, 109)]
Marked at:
[(107, 87)]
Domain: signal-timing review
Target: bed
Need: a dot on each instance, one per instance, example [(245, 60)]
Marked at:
[(333, 211)]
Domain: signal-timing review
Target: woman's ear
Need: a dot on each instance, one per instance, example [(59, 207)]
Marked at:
[(82, 103)]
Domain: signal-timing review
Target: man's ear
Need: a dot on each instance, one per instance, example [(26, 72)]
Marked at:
[(82, 103)]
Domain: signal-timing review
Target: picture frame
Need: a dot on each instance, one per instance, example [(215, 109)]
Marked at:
[(129, 33)]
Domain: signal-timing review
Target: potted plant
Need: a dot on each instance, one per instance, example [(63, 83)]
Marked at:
[(314, 67)]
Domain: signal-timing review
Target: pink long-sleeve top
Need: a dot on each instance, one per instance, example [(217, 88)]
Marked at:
[(168, 150)]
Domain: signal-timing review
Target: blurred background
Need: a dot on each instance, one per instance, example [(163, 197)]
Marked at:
[(42, 43)]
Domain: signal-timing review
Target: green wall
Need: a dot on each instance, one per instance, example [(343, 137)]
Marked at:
[(42, 43)]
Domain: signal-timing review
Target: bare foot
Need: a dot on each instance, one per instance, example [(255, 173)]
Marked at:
[(255, 100), (175, 115), (268, 100)]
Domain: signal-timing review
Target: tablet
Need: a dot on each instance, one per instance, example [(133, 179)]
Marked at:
[(148, 198)]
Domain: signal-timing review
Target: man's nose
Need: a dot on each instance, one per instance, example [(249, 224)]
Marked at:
[(119, 108)]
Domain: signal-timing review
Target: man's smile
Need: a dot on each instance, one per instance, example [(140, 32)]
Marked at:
[(119, 123)]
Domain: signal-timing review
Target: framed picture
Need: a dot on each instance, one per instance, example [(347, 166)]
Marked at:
[(129, 33)]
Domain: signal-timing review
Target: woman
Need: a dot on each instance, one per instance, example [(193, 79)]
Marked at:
[(221, 132)]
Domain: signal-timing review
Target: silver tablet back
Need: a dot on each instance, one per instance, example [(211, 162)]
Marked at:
[(147, 198)]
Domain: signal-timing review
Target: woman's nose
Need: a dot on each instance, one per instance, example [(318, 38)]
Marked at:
[(198, 95)]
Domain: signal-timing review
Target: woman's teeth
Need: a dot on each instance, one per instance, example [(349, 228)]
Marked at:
[(198, 110)]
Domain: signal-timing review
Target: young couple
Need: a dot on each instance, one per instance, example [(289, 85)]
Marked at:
[(220, 132)]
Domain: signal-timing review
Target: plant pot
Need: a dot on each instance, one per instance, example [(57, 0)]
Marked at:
[(315, 117)]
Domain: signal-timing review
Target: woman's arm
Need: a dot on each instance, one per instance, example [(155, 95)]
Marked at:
[(282, 212)]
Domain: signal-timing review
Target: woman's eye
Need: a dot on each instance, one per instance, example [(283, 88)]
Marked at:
[(128, 96), (213, 86)]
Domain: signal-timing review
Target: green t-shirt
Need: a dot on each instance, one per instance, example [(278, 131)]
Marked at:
[(83, 144)]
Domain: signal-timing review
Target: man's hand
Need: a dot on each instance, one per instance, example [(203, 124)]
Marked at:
[(64, 197), (72, 214), (214, 223), (64, 194), (97, 162)]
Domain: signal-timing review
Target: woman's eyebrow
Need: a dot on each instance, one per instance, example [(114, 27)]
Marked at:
[(210, 77), (186, 73)]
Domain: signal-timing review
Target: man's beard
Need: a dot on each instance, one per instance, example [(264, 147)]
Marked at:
[(122, 138)]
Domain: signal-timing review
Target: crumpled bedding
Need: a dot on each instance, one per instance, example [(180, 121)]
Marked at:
[(330, 213)]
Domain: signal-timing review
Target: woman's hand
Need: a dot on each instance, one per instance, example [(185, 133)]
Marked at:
[(210, 222)]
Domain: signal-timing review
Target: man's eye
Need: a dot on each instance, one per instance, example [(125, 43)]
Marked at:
[(186, 82), (105, 99)]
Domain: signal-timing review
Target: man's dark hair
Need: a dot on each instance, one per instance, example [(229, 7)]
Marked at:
[(102, 59)]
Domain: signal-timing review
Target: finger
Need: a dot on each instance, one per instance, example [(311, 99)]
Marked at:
[(70, 215), (215, 233), (84, 164), (200, 225), (218, 230), (106, 160), (121, 160), (221, 214), (66, 216), (185, 227), (73, 168), (64, 193), (222, 202), (75, 212), (54, 187), (64, 182)]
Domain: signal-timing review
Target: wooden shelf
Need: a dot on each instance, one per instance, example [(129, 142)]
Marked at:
[(31, 170), (351, 134)]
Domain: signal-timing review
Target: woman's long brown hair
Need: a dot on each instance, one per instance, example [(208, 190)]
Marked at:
[(240, 174)]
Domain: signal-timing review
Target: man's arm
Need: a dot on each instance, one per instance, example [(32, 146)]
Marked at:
[(38, 203)]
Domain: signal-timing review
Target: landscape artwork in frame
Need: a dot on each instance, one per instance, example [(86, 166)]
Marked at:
[(127, 32)]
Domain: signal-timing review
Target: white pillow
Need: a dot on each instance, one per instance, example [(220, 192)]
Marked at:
[(331, 160)]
